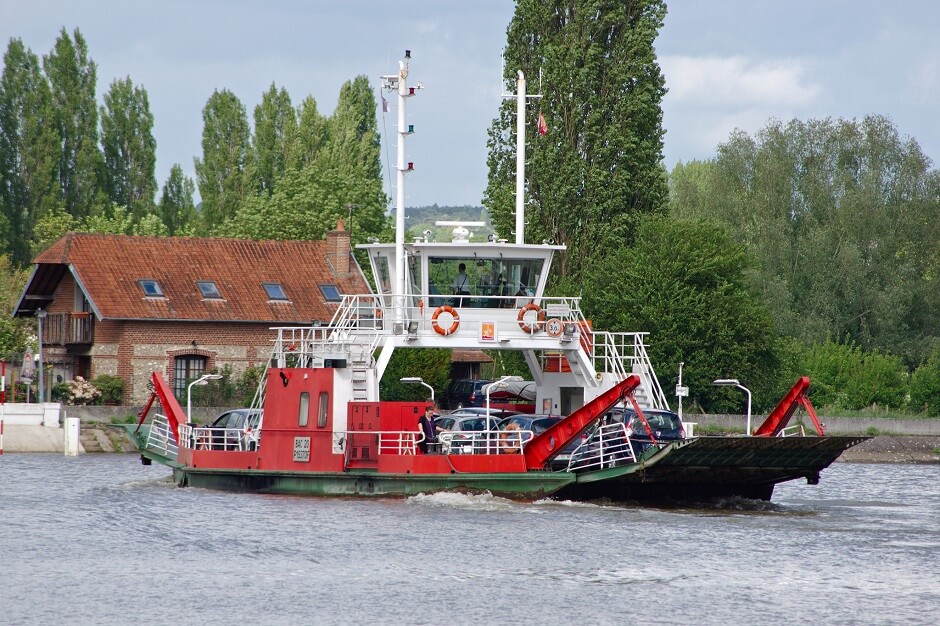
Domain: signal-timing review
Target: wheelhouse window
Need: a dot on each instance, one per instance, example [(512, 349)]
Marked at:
[(275, 291), (331, 293), (208, 290), (186, 369), (482, 282), (150, 287)]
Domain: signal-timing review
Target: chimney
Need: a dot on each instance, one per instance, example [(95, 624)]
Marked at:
[(337, 248)]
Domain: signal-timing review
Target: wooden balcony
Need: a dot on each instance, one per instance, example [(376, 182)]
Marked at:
[(64, 329)]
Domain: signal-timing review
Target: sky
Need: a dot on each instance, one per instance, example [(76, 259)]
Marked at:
[(729, 64)]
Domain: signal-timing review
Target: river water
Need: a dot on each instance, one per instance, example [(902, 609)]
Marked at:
[(101, 539)]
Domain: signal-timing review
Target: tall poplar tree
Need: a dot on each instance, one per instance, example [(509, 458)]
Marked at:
[(275, 130), (176, 203), (29, 153), (220, 172), (130, 150), (313, 132), (72, 75), (598, 167), (353, 129)]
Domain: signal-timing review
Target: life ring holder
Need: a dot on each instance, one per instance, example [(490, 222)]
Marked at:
[(539, 318), (511, 445), (204, 439), (440, 330)]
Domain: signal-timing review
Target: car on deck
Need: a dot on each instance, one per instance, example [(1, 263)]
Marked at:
[(465, 392), (235, 430), (665, 426)]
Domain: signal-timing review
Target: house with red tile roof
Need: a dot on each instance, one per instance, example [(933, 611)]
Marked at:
[(183, 306)]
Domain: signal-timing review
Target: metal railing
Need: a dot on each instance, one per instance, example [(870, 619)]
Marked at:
[(796, 430), (395, 441), (207, 438), (160, 438), (607, 446), (484, 441)]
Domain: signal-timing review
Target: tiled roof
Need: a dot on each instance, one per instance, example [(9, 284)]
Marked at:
[(469, 356), (110, 266)]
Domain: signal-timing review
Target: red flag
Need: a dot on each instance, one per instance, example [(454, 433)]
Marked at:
[(543, 127)]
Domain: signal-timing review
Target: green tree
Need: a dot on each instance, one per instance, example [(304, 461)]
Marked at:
[(685, 282), (598, 168), (176, 208), (275, 131), (72, 75), (49, 228), (846, 377), (925, 386), (29, 187), (220, 172), (433, 366), (306, 204), (14, 331), (312, 134), (353, 136), (130, 151), (843, 218)]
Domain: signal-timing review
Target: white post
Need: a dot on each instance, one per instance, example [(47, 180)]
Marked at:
[(72, 436), (520, 158), (401, 281), (41, 392), (3, 399)]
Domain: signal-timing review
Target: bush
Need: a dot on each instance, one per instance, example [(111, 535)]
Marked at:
[(845, 377), (59, 392), (925, 386), (111, 388), (81, 392)]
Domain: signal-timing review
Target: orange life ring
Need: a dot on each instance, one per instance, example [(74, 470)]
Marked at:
[(539, 318), (440, 330), (507, 444)]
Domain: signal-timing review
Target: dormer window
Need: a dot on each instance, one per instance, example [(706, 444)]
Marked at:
[(275, 291), (331, 293), (150, 287), (208, 290)]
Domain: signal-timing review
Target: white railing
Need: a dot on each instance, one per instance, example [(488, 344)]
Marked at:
[(207, 438), (484, 441), (395, 441), (160, 438), (792, 431), (608, 446)]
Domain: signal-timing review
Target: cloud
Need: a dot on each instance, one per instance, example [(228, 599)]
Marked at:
[(738, 81)]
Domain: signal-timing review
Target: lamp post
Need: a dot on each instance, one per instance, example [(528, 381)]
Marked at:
[(202, 380), (734, 382), (417, 380), (41, 315)]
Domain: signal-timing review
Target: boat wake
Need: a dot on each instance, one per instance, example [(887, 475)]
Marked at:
[(456, 500)]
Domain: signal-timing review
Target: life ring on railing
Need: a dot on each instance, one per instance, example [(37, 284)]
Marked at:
[(510, 440), (539, 318), (440, 330)]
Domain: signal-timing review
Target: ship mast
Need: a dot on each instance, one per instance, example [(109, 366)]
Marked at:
[(399, 82), (520, 158)]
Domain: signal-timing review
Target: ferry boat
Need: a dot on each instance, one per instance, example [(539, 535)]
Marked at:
[(319, 427)]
